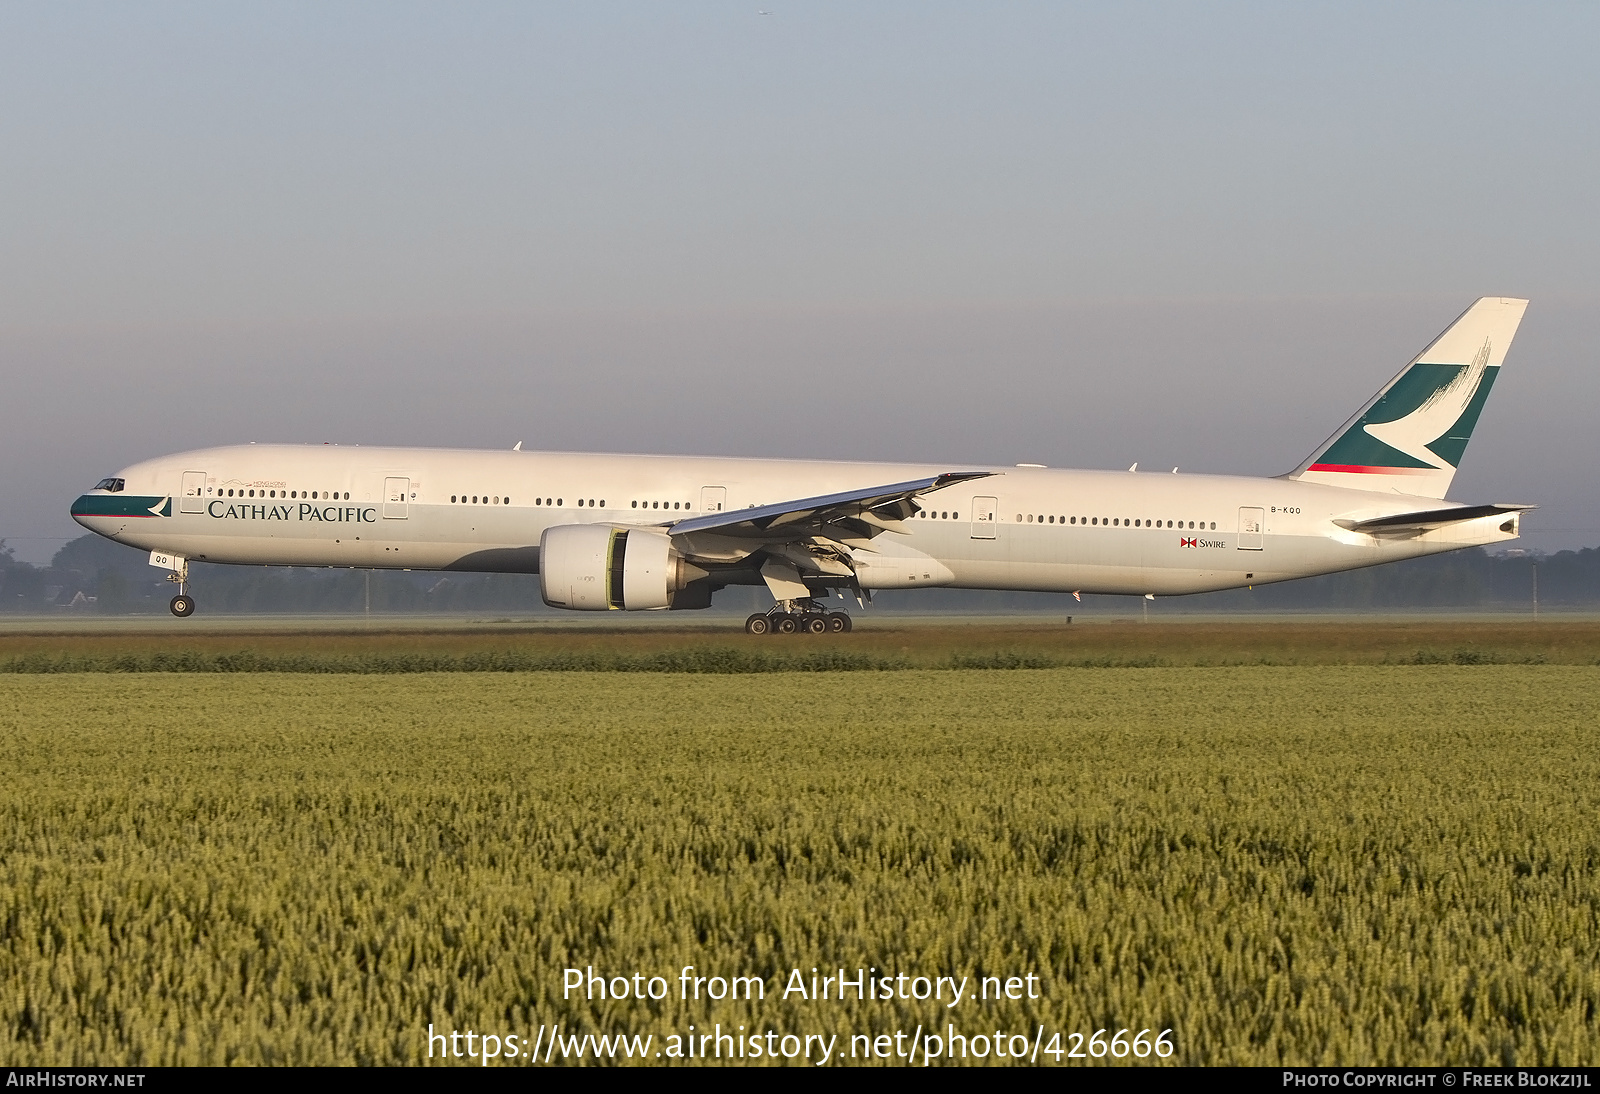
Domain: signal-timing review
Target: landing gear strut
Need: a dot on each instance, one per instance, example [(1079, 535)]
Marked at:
[(798, 617), (181, 605)]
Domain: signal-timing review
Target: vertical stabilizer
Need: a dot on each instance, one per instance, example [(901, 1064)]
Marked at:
[(1410, 436)]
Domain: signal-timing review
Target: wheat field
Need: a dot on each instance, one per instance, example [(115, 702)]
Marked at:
[(1307, 865)]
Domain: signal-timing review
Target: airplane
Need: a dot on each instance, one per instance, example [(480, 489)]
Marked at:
[(610, 532)]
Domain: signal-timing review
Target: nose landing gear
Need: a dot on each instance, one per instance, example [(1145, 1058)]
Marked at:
[(181, 605)]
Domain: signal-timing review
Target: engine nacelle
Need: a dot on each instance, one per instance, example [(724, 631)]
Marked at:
[(597, 568)]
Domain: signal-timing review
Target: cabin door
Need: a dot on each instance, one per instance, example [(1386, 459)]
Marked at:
[(984, 511), (1252, 528), (193, 498), (713, 499), (394, 498)]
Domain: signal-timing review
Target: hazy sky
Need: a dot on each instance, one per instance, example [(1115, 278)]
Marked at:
[(1081, 235)]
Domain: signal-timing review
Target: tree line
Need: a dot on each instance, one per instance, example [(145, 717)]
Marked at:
[(93, 575)]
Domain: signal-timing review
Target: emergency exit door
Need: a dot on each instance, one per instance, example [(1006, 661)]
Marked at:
[(713, 499)]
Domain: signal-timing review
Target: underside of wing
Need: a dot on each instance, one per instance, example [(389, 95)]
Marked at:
[(809, 539), (859, 512)]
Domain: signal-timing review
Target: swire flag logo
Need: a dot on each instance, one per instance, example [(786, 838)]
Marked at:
[(1188, 543)]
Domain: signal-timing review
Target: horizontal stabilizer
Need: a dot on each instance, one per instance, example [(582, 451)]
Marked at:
[(1429, 519)]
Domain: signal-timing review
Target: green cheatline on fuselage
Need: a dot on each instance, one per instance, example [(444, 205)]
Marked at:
[(121, 505), (1358, 448)]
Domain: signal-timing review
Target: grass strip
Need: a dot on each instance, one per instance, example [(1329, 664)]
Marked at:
[(716, 660)]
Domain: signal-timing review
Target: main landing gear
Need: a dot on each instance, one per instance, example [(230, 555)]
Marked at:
[(181, 605), (798, 617)]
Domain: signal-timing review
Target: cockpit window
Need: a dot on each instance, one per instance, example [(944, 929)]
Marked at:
[(113, 486)]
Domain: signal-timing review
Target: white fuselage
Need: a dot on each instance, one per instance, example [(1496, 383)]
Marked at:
[(1022, 528)]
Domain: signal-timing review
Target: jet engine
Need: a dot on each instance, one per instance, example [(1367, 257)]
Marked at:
[(598, 567)]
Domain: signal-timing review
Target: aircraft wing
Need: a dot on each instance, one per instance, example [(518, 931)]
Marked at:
[(808, 539), (857, 513), (1429, 519)]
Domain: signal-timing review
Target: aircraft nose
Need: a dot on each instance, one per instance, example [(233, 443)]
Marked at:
[(80, 511)]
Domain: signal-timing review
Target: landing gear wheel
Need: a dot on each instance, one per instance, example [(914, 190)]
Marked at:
[(816, 624), (838, 622), (182, 605), (785, 624), (757, 624)]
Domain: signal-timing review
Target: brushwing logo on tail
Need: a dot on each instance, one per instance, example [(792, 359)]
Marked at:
[(1420, 425), (1417, 431)]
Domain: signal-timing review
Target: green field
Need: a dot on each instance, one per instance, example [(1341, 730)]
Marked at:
[(1340, 864), (879, 643)]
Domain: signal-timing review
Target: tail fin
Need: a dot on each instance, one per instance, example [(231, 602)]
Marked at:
[(1410, 436)]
